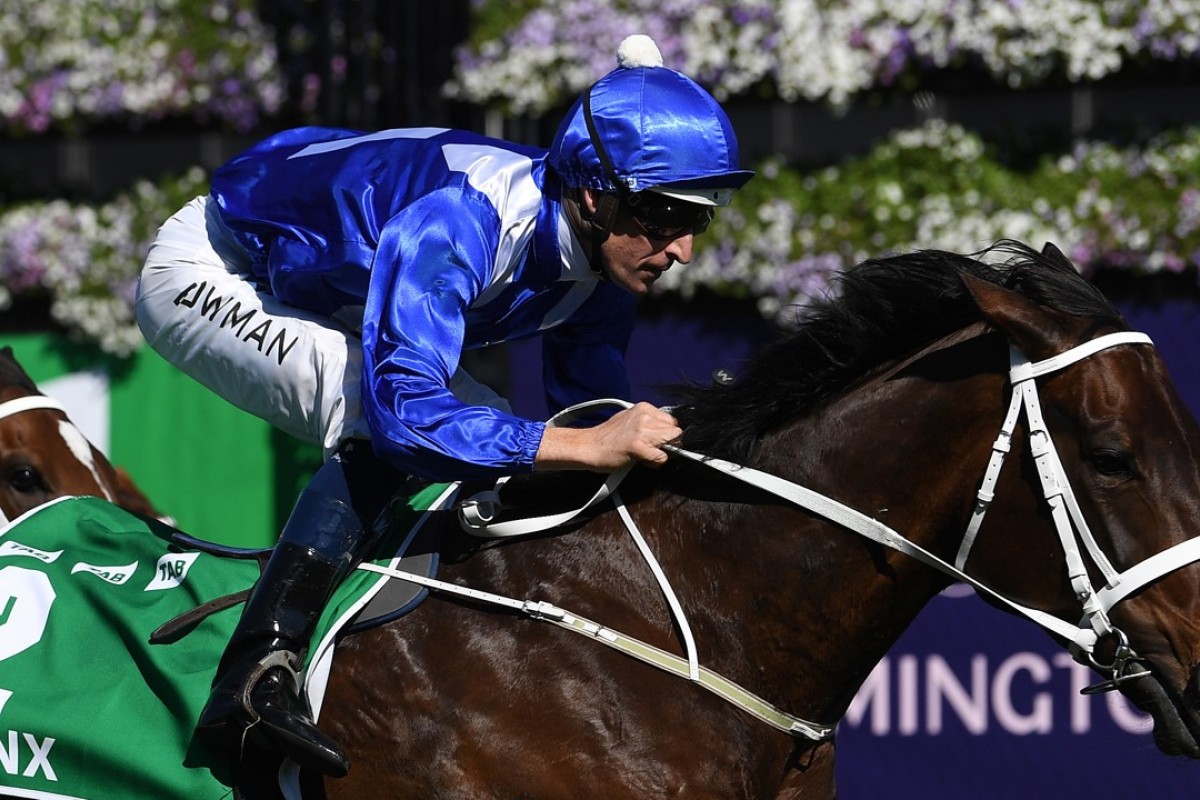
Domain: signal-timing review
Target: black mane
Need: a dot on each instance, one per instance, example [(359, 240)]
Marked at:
[(886, 309)]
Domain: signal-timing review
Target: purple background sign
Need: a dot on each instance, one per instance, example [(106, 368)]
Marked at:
[(971, 702)]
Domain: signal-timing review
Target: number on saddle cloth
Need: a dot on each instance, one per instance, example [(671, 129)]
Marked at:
[(86, 581), (77, 560)]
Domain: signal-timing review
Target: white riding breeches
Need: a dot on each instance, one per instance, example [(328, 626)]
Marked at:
[(199, 309)]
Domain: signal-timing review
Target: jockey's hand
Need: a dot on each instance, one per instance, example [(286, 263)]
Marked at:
[(636, 434)]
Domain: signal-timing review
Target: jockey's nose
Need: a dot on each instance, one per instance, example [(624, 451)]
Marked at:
[(680, 248)]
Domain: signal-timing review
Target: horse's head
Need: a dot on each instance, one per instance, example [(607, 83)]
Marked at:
[(1128, 450), (43, 456)]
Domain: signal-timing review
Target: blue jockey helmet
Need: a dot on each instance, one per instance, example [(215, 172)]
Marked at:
[(645, 127)]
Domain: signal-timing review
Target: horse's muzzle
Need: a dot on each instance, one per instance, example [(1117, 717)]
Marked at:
[(1176, 713)]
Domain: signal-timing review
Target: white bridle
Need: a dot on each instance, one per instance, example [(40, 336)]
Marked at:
[(30, 403), (1073, 532), (22, 404), (477, 513)]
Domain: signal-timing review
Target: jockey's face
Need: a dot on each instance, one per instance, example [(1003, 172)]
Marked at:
[(632, 257)]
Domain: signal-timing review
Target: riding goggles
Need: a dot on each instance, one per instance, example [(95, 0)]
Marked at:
[(662, 217)]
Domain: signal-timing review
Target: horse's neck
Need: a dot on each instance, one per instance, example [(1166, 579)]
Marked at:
[(906, 448), (799, 608)]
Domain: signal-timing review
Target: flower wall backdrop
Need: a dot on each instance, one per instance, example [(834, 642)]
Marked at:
[(527, 60), (67, 64), (787, 233), (82, 261), (939, 186), (74, 63)]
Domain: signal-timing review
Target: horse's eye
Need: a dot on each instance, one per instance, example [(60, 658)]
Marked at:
[(24, 478), (1112, 463)]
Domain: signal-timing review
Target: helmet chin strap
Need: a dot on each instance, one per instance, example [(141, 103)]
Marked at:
[(592, 228), (601, 221)]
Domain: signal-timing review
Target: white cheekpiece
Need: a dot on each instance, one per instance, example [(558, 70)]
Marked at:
[(295, 369)]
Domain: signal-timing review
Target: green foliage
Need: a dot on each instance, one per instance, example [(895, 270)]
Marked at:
[(490, 19)]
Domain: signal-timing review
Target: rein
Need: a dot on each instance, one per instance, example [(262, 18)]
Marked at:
[(478, 512)]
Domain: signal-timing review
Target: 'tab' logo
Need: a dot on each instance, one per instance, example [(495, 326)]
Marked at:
[(171, 570), (11, 548), (115, 574)]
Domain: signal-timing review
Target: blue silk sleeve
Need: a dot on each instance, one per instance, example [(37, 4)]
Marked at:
[(434, 258), (584, 359)]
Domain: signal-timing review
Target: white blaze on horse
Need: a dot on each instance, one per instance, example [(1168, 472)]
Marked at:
[(43, 455)]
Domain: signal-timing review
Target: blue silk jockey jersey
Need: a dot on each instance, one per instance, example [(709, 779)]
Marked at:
[(451, 241)]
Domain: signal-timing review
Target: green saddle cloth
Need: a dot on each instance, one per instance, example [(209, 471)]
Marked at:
[(88, 707)]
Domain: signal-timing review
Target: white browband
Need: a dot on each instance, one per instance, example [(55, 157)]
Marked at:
[(30, 403)]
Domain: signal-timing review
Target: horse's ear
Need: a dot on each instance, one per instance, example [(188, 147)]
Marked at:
[(1051, 251), (1033, 329), (11, 371)]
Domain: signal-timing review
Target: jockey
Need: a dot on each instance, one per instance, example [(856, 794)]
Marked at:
[(331, 280)]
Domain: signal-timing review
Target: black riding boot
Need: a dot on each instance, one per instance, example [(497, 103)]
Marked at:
[(256, 695)]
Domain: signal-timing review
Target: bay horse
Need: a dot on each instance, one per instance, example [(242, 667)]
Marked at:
[(836, 487), (44, 456)]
